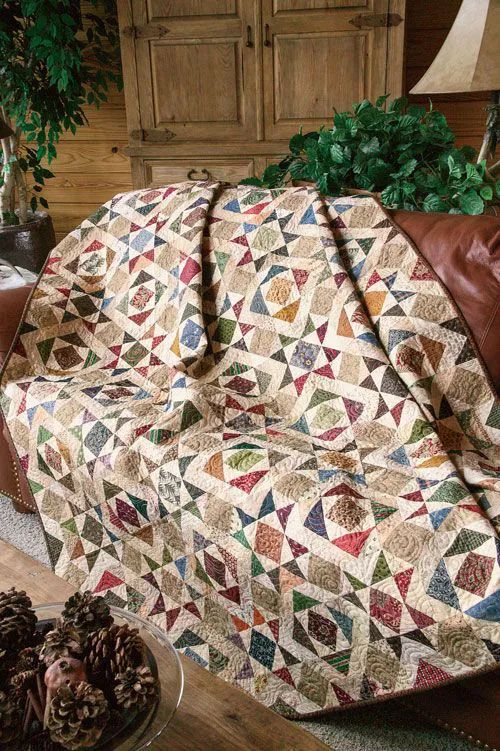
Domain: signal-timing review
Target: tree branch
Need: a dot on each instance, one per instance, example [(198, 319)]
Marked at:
[(7, 189)]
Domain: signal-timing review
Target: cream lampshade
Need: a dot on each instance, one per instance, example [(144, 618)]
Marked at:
[(469, 60)]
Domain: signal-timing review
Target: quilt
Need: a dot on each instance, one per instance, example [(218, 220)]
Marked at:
[(257, 418)]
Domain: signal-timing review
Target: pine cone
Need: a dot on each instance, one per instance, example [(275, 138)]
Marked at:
[(62, 641), (111, 651), (10, 719), (87, 612), (17, 620), (77, 716), (136, 688), (27, 659), (22, 682), (24, 673)]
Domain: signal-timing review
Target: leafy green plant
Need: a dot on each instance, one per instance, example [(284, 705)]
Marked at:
[(54, 60), (405, 153)]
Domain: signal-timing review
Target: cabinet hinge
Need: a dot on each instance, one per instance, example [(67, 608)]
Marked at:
[(376, 20), (149, 31), (153, 136)]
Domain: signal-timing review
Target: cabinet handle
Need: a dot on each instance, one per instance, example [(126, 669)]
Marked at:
[(267, 42), (249, 36), (191, 175)]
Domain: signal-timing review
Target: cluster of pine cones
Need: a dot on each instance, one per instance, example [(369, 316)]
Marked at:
[(68, 685)]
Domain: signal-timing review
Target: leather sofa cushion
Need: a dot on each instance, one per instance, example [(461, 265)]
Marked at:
[(12, 302), (464, 251)]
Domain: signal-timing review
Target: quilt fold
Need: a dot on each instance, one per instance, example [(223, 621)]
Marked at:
[(257, 418)]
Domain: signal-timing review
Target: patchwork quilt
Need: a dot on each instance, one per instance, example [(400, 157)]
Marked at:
[(256, 418)]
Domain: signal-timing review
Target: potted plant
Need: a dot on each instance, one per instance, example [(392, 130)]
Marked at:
[(54, 60), (404, 154)]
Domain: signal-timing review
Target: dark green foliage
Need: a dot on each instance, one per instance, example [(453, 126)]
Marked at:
[(406, 153), (54, 59)]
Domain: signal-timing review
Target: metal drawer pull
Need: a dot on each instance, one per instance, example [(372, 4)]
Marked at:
[(267, 42), (191, 175), (249, 36)]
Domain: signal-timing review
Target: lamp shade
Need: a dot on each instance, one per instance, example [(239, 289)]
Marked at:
[(5, 130), (469, 59)]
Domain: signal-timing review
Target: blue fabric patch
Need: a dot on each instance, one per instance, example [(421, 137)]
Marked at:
[(488, 609), (191, 334)]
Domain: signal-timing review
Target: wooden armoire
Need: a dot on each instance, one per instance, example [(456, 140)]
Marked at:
[(215, 88)]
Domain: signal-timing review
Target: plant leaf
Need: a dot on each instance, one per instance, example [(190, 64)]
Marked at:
[(471, 203), (433, 202), (252, 181)]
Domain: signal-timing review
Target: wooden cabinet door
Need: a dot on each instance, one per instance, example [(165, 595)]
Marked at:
[(321, 54), (196, 69)]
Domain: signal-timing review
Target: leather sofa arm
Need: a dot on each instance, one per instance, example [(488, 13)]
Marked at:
[(12, 302), (464, 251), (13, 483)]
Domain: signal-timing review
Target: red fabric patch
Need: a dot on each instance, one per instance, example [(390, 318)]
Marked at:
[(353, 543), (191, 268), (107, 581)]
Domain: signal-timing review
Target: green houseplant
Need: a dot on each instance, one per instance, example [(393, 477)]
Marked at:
[(405, 154), (54, 60)]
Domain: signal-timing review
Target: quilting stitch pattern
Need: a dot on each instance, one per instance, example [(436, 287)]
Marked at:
[(256, 418)]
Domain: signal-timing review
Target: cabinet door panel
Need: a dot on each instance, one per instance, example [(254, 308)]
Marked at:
[(313, 72), (184, 95), (197, 81), (315, 59), (183, 8)]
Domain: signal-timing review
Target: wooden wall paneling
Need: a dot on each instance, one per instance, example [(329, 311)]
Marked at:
[(90, 157), (95, 188), (67, 216), (431, 14), (105, 124), (91, 166), (89, 170)]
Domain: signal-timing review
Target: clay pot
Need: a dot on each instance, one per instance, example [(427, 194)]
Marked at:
[(28, 245)]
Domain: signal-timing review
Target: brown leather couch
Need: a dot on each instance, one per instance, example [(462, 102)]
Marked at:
[(465, 253)]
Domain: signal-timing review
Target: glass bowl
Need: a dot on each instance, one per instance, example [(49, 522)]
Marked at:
[(162, 658)]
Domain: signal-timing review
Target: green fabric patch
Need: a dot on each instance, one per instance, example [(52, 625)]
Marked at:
[(224, 331)]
